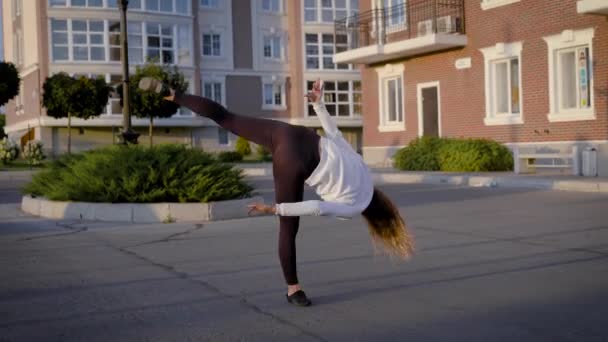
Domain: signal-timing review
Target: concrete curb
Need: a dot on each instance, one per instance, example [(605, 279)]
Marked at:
[(492, 181), (138, 212)]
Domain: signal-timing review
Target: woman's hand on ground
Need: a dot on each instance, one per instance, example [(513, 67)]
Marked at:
[(260, 208), (316, 94)]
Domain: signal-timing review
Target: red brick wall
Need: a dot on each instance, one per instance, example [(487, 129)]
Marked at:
[(462, 95)]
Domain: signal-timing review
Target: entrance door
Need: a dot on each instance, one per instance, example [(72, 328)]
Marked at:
[(430, 112)]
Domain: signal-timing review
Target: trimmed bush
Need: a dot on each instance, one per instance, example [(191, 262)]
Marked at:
[(32, 152), (229, 157), (420, 154), (243, 147), (9, 151), (458, 155), (164, 173), (264, 153)]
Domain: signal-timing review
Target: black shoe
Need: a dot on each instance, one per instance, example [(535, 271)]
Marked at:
[(298, 298)]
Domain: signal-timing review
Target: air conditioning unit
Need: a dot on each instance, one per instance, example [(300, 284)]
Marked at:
[(448, 24), (425, 27)]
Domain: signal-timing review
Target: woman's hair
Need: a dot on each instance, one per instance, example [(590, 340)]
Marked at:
[(386, 226)]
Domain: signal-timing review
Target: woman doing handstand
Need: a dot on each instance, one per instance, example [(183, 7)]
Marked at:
[(300, 156)]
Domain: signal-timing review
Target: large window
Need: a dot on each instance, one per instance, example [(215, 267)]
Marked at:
[(327, 11), (209, 3), (395, 12), (503, 84), (271, 6), (212, 44), (83, 40), (320, 48), (160, 42), (164, 6), (213, 90), (341, 98), (571, 93), (87, 40)]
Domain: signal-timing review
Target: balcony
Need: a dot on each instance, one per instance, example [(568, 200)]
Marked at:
[(414, 28), (592, 7)]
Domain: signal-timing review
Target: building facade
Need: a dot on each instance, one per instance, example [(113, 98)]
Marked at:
[(250, 55), (530, 74)]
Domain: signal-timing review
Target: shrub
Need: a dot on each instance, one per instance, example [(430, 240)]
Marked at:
[(462, 155), (474, 155), (264, 153), (242, 146), (419, 155), (9, 151), (32, 152), (164, 173), (229, 157)]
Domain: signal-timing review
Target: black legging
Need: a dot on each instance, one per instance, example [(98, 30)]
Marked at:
[(295, 154)]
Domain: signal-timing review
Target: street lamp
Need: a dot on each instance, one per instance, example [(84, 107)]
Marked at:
[(128, 135)]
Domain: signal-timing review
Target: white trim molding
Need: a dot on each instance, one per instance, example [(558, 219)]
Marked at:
[(419, 88), (386, 73), (501, 52), (569, 39), (489, 4)]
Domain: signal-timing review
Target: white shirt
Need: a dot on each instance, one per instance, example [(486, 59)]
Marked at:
[(342, 179)]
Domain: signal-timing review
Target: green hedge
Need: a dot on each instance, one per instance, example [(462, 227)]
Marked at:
[(164, 173), (229, 157), (460, 155)]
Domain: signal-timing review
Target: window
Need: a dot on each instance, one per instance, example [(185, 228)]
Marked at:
[(272, 47), (320, 48), (395, 13), (571, 75), (222, 137), (160, 42), (59, 32), (488, 4), (87, 40), (327, 11), (213, 90), (273, 96), (133, 4), (135, 40), (271, 6), (212, 44), (209, 3), (392, 108), (341, 98), (114, 102), (58, 3), (87, 3), (503, 84), (114, 40), (184, 47)]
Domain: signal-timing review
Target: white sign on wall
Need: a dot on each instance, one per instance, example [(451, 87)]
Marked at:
[(463, 63)]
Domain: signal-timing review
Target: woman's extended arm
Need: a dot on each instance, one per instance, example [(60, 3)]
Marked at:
[(327, 122)]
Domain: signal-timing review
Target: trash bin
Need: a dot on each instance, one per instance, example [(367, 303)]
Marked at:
[(589, 162)]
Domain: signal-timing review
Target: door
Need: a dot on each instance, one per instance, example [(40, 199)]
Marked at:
[(430, 112)]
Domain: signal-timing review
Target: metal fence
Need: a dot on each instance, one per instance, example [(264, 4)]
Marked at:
[(412, 19)]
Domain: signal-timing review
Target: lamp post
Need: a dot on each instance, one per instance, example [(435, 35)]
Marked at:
[(128, 135)]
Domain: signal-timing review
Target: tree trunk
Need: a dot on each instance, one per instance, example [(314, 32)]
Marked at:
[(69, 133), (151, 128)]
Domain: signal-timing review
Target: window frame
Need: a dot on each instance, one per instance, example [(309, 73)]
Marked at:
[(321, 55), (318, 10), (278, 11), (386, 74), (494, 55), (566, 40), (274, 82), (212, 34)]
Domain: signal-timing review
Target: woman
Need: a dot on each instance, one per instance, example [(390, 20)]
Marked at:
[(300, 156)]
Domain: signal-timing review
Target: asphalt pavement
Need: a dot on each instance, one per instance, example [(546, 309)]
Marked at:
[(492, 264)]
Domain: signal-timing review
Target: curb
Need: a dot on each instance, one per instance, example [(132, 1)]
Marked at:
[(138, 212), (16, 175), (492, 181)]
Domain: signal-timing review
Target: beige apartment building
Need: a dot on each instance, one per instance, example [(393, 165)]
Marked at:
[(257, 57)]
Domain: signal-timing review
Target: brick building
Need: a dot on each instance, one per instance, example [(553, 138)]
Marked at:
[(532, 74)]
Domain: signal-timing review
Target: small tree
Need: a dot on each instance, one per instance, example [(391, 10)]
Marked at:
[(9, 82), (2, 124), (147, 104), (243, 147), (65, 96)]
